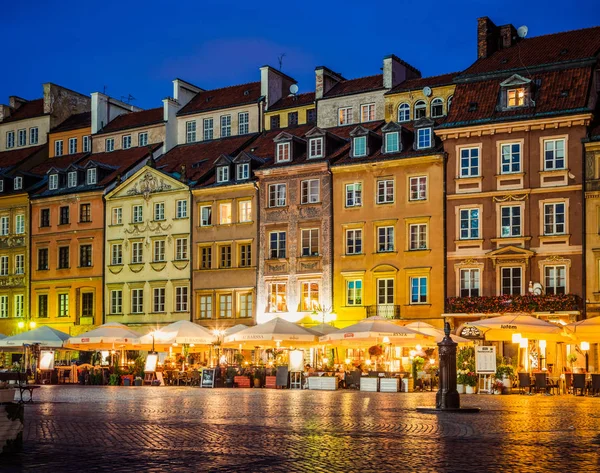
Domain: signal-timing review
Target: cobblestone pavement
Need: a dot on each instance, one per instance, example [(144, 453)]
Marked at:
[(177, 429)]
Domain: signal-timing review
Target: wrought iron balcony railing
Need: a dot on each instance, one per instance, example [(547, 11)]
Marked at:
[(389, 311)]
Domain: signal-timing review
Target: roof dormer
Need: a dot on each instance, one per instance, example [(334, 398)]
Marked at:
[(515, 92), (287, 146), (363, 141), (223, 168), (424, 138), (392, 138), (316, 143)]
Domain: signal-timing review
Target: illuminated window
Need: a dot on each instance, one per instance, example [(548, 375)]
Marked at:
[(310, 296), (515, 97), (225, 305), (278, 297), (245, 211), (367, 112), (225, 213), (345, 116)]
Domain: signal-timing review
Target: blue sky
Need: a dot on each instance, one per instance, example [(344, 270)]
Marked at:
[(138, 48)]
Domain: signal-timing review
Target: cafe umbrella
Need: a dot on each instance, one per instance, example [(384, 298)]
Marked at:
[(106, 337), (182, 332), (504, 329), (43, 336), (369, 332), (437, 334), (277, 332), (586, 330)]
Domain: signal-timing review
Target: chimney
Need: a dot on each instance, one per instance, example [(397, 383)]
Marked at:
[(487, 37), (274, 84), (325, 79), (395, 71), (508, 36), (4, 112), (15, 102)]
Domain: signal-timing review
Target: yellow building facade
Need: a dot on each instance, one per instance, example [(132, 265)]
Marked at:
[(592, 223), (292, 110), (147, 250)]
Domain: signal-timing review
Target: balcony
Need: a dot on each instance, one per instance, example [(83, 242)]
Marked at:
[(502, 304), (388, 311)]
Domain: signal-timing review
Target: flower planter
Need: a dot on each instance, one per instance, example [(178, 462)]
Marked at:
[(470, 389), (139, 382), (460, 388), (257, 382), (507, 382), (7, 395)]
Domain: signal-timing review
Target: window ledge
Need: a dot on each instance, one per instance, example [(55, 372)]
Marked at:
[(386, 252), (352, 254), (282, 207), (418, 304), (420, 250)]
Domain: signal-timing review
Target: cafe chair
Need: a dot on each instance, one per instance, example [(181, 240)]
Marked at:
[(579, 383), (525, 382), (568, 382), (541, 383), (195, 380), (596, 385), (353, 379)]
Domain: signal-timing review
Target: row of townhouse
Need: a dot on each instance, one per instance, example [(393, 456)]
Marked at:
[(393, 195)]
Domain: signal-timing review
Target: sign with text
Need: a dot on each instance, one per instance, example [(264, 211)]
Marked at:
[(485, 360), (208, 378), (47, 360)]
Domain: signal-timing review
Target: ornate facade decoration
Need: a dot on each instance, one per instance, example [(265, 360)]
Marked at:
[(511, 198), (148, 184)]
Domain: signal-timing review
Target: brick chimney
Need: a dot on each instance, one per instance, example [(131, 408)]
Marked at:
[(487, 37), (508, 36), (325, 79)]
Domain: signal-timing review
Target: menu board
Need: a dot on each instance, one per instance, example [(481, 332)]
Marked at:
[(208, 378), (485, 360), (281, 381)]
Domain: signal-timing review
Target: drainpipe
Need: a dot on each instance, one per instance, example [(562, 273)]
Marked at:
[(104, 290), (584, 233), (192, 296)]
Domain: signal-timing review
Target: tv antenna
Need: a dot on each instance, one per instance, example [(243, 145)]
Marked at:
[(130, 98), (280, 59), (522, 31)]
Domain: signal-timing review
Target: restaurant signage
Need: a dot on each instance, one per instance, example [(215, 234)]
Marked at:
[(208, 378), (470, 332), (485, 360), (348, 335), (508, 326)]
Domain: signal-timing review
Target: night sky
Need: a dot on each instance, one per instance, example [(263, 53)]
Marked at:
[(138, 48)]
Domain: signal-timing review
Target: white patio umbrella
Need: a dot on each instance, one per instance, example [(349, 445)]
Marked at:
[(369, 332), (180, 332), (587, 330), (324, 329), (235, 329), (437, 334), (503, 327), (44, 336), (275, 332), (106, 337)]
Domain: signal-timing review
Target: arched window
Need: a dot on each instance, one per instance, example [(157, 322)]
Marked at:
[(437, 108), (420, 109), (449, 102), (404, 112)]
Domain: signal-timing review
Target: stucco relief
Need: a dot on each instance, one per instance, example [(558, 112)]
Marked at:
[(149, 184), (12, 281), (12, 242)]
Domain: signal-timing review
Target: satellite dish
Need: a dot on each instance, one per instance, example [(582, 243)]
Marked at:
[(522, 31), (426, 91), (538, 289), (294, 89)]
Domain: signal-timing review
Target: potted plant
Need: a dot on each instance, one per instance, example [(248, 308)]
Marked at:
[(497, 386), (230, 373), (505, 374), (7, 393), (471, 381), (416, 366), (571, 359), (461, 380)]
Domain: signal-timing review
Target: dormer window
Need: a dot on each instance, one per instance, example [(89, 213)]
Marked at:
[(72, 179), (223, 174), (420, 110), (18, 183), (91, 176), (283, 152), (515, 97), (243, 171), (424, 138), (360, 146), (392, 142), (315, 149), (53, 182)]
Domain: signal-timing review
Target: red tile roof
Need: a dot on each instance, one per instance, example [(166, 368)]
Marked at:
[(356, 86), (134, 120), (199, 157), (122, 160), (563, 91), (74, 122), (418, 84), (225, 97), (60, 162), (292, 101), (16, 156), (541, 50), (31, 109)]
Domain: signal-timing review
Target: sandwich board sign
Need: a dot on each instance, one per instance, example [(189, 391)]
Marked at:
[(485, 360)]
